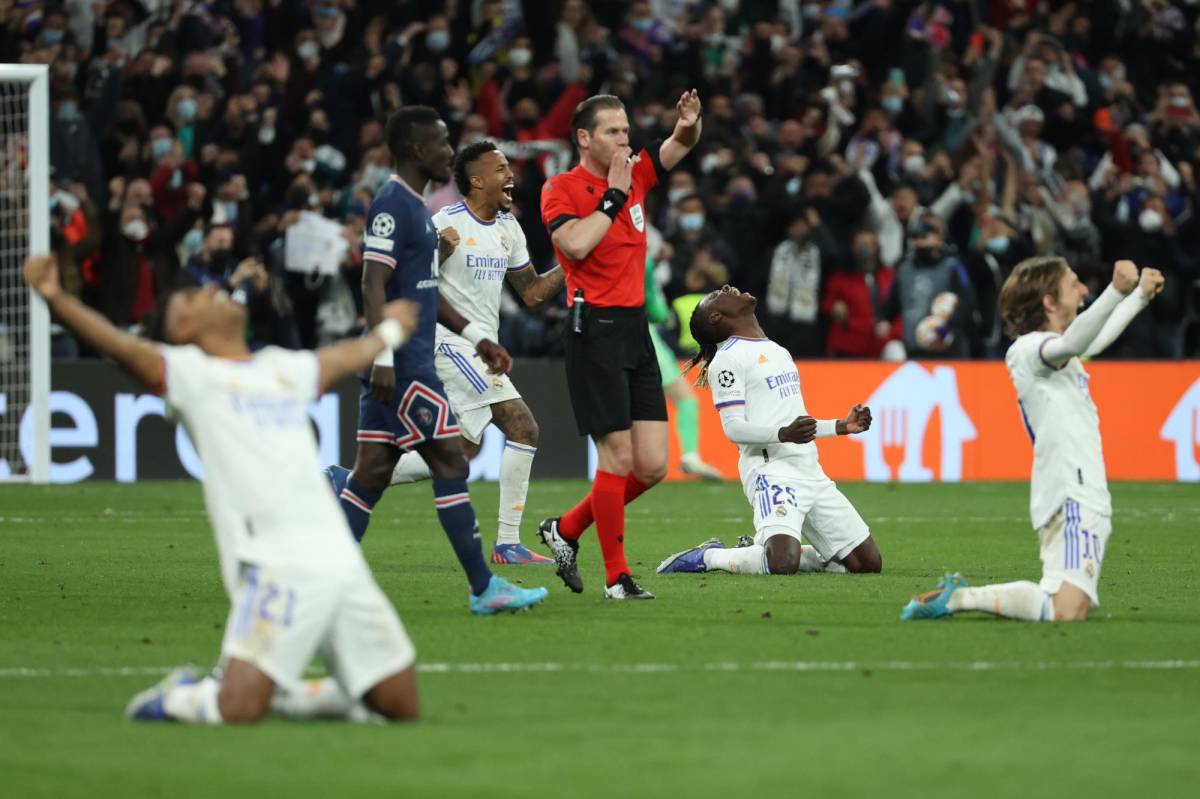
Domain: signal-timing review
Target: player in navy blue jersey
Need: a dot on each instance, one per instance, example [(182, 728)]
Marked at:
[(403, 405)]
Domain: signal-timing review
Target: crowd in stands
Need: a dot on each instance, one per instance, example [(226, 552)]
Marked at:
[(859, 158)]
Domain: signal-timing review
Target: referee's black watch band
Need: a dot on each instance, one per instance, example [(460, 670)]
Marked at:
[(612, 202)]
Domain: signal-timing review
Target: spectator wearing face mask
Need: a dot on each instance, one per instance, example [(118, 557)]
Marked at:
[(138, 256), (853, 298), (693, 235), (998, 248), (74, 149), (929, 270), (181, 111), (172, 174)]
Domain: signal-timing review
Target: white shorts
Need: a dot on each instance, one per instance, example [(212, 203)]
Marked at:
[(471, 390), (1073, 544), (282, 617), (810, 510)]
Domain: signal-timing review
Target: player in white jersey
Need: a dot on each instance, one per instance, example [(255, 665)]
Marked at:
[(756, 388), (297, 581), (1069, 502), (484, 246)]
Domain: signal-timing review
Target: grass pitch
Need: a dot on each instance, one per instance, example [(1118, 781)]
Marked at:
[(726, 686)]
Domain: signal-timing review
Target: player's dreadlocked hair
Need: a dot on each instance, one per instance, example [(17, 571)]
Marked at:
[(706, 336)]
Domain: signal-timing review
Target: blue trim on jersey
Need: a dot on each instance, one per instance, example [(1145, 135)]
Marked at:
[(467, 208), (474, 378), (519, 268), (721, 405), (729, 342)]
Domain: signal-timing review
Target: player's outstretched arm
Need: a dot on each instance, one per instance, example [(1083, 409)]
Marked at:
[(1079, 335), (353, 355), (857, 421), (686, 133), (1149, 286), (498, 361), (135, 354), (534, 288)]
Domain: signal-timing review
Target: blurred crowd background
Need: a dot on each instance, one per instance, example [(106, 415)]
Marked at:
[(860, 160)]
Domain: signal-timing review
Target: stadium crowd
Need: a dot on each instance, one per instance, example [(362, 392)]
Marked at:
[(859, 157)]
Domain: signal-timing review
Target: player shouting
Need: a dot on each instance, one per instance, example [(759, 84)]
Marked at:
[(482, 246), (297, 582), (756, 389), (1069, 503), (597, 221), (403, 406)]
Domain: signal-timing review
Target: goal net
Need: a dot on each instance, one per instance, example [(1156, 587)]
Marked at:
[(24, 228)]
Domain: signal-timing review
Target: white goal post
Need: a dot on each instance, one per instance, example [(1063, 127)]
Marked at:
[(24, 228)]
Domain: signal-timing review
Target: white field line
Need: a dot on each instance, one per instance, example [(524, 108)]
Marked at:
[(23, 672)]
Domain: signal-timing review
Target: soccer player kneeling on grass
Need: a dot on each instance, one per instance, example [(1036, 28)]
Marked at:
[(297, 581), (1069, 501), (757, 391)]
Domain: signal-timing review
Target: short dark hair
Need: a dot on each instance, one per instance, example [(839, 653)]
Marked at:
[(1020, 302), (584, 117), (465, 158), (154, 324), (402, 126)]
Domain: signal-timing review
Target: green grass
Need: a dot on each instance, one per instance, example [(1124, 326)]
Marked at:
[(99, 576)]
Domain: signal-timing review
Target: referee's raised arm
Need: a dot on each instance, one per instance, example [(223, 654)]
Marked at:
[(596, 217)]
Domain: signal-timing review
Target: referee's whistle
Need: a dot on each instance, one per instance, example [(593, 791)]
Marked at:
[(577, 311)]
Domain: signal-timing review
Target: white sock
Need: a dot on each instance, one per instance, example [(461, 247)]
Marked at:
[(739, 560), (810, 561), (323, 698), (1019, 600), (195, 703), (411, 468), (515, 464)]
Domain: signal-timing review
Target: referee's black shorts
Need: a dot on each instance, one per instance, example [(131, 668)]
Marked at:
[(612, 371)]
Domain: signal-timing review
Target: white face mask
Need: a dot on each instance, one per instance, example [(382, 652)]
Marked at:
[(675, 195), (136, 229), (1150, 220), (520, 57), (308, 50), (914, 164)]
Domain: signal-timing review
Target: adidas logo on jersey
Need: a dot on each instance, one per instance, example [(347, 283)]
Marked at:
[(762, 359), (471, 241)]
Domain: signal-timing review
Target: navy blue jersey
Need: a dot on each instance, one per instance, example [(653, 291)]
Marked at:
[(401, 236)]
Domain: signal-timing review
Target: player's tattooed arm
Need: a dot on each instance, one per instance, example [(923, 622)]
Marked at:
[(533, 288), (138, 356), (498, 361)]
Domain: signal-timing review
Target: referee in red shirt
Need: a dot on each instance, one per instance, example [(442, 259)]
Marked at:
[(596, 216)]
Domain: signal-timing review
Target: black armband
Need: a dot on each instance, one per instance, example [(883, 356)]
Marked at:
[(612, 202)]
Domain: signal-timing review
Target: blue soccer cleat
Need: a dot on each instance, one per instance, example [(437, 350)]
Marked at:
[(689, 561), (150, 704), (514, 554), (501, 595), (337, 477), (934, 604)]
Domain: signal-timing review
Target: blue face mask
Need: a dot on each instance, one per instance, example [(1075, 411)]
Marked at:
[(186, 108), (176, 179), (230, 211), (68, 111), (159, 148), (52, 36), (691, 222), (997, 245), (193, 240), (893, 104), (642, 25)]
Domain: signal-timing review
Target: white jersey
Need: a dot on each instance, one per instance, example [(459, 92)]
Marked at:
[(472, 278), (761, 375), (266, 497), (1068, 462)]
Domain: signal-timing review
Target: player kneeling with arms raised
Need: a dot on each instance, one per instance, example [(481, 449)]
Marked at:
[(757, 391), (1069, 501), (297, 581)]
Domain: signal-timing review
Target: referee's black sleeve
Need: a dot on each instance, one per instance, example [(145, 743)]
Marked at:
[(558, 221), (656, 159)]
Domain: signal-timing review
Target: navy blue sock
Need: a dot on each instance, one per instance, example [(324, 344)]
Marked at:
[(357, 503), (458, 520)]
